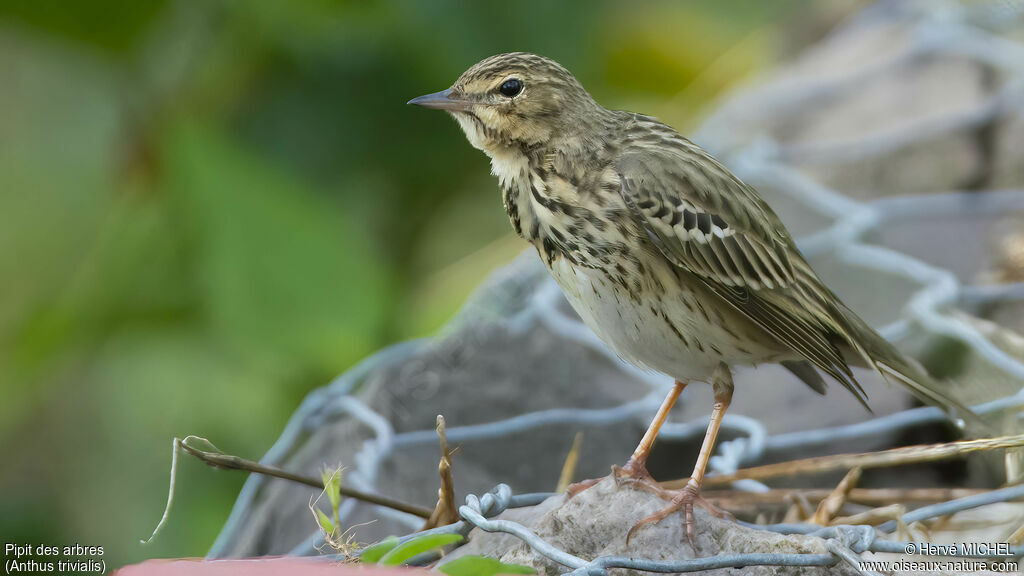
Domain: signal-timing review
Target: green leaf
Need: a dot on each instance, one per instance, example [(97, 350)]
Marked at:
[(332, 485), (418, 546), (374, 553), (325, 521), (482, 566), (201, 444)]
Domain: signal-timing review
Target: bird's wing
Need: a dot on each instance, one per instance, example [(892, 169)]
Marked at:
[(706, 221)]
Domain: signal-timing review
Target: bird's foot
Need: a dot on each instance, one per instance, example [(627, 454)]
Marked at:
[(633, 473), (680, 500), (577, 487)]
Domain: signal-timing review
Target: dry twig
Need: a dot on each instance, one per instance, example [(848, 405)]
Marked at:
[(445, 512), (799, 508), (1017, 537), (866, 496), (875, 516), (569, 467), (218, 459), (834, 502), (885, 458)]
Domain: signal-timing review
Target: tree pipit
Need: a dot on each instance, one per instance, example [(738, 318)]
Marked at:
[(675, 263)]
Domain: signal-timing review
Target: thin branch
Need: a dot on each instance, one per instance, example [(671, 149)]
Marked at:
[(866, 496), (885, 458), (875, 516), (218, 459), (175, 447)]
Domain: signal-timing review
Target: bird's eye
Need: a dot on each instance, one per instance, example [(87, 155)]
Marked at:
[(511, 87)]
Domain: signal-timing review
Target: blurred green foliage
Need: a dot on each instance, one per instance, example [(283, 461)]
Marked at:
[(208, 208)]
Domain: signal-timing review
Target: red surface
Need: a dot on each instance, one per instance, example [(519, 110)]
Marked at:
[(259, 567)]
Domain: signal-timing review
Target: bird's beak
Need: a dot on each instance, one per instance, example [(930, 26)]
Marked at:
[(443, 100)]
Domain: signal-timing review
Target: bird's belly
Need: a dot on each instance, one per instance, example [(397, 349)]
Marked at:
[(672, 331)]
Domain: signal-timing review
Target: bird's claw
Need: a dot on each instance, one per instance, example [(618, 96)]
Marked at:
[(630, 474), (639, 478), (636, 476), (681, 500), (577, 487)]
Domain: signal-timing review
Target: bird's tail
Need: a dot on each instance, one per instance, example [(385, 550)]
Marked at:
[(914, 378), (893, 365)]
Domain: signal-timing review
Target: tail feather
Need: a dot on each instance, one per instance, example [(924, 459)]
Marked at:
[(892, 364), (927, 390), (805, 371)]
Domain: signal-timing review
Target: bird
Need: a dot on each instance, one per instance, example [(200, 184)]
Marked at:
[(675, 263)]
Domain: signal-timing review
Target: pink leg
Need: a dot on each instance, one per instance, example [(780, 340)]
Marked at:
[(685, 499), (636, 467)]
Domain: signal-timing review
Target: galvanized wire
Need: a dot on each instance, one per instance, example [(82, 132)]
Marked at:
[(844, 542), (938, 28)]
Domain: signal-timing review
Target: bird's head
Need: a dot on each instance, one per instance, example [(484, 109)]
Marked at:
[(514, 101)]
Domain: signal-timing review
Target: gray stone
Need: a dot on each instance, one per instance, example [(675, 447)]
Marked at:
[(595, 523)]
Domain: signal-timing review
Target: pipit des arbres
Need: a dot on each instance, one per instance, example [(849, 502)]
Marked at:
[(676, 264)]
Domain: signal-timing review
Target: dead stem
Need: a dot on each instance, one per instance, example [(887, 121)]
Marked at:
[(569, 467), (445, 511), (885, 458), (218, 459), (834, 502)]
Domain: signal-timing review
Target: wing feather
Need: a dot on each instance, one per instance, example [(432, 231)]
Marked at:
[(746, 257)]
